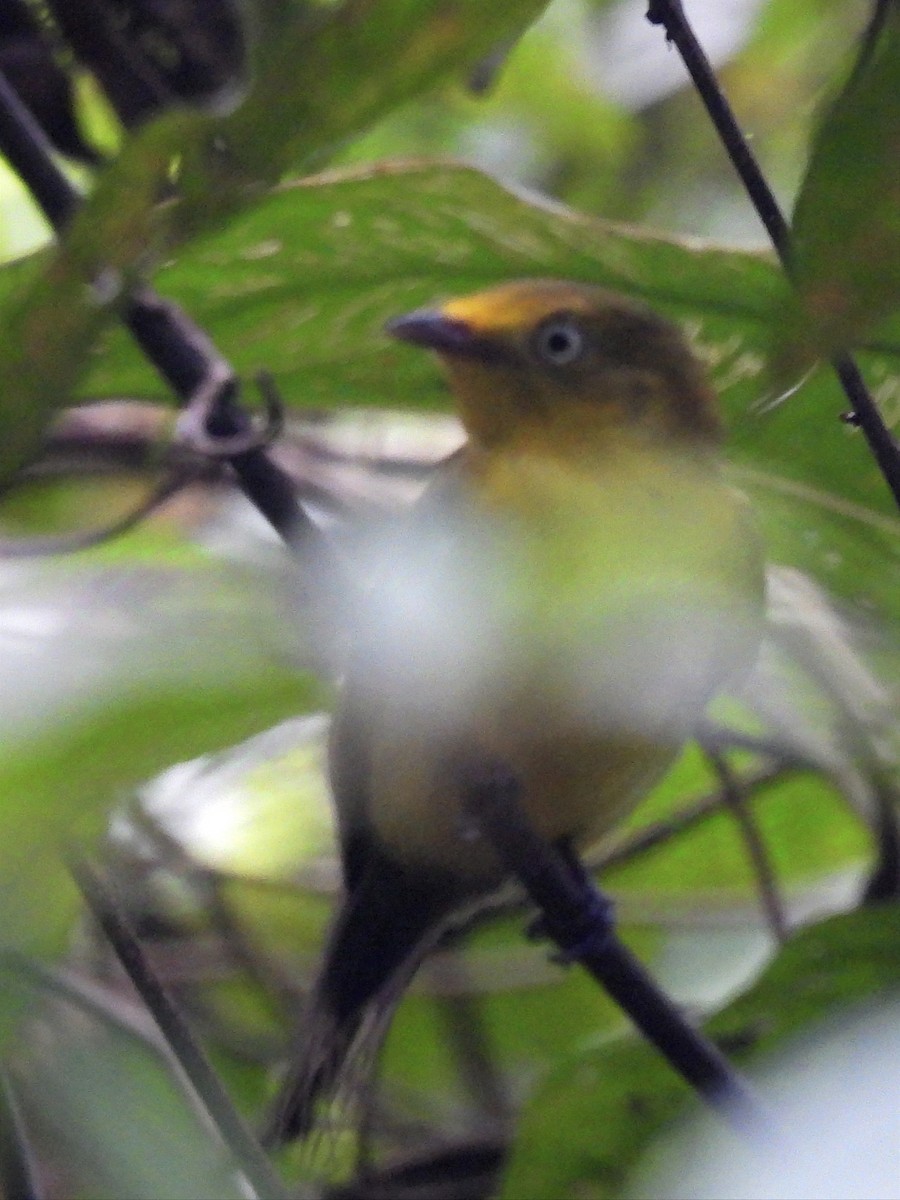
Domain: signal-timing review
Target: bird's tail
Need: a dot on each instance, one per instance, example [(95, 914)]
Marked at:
[(381, 936)]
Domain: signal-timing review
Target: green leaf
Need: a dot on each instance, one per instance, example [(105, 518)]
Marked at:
[(584, 1130), (846, 226), (106, 1100), (310, 92), (323, 78), (303, 283)]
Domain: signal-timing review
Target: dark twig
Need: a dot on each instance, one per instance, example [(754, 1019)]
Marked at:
[(18, 1168), (27, 150), (463, 1171), (735, 799), (658, 833), (627, 848), (109, 915), (578, 918), (869, 40), (670, 14), (880, 439), (179, 350), (883, 884), (204, 410), (68, 543)]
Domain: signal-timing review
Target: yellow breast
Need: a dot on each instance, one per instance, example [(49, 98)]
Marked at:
[(572, 619)]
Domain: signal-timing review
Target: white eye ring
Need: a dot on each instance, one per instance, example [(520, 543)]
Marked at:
[(559, 342)]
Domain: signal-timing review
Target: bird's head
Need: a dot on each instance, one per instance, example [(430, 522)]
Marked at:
[(564, 361)]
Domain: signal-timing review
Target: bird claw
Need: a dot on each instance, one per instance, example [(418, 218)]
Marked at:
[(588, 934)]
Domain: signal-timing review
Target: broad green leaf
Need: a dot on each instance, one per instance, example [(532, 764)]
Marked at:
[(303, 282), (846, 226), (584, 1130), (105, 1098), (302, 285)]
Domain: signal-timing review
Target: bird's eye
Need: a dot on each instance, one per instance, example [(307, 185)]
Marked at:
[(559, 341)]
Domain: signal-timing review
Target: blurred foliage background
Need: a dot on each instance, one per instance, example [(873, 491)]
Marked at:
[(592, 108), (162, 692)]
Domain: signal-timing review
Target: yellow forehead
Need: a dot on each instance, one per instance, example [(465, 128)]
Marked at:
[(521, 305)]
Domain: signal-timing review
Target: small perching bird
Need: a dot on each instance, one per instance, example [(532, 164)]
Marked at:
[(572, 590)]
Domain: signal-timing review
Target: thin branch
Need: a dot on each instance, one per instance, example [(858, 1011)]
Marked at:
[(109, 915), (623, 851), (670, 14), (736, 800), (27, 150), (658, 833), (578, 918), (867, 417), (69, 543), (18, 1165), (883, 884), (180, 350)]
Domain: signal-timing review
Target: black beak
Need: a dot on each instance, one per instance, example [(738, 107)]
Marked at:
[(430, 328)]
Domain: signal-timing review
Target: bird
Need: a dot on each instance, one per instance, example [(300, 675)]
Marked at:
[(571, 591)]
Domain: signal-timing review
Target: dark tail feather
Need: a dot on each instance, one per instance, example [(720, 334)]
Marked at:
[(381, 935), (313, 1075)]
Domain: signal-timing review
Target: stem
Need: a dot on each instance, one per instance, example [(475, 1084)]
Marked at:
[(18, 1166), (180, 350), (736, 800), (109, 915), (670, 14), (577, 917), (27, 150)]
